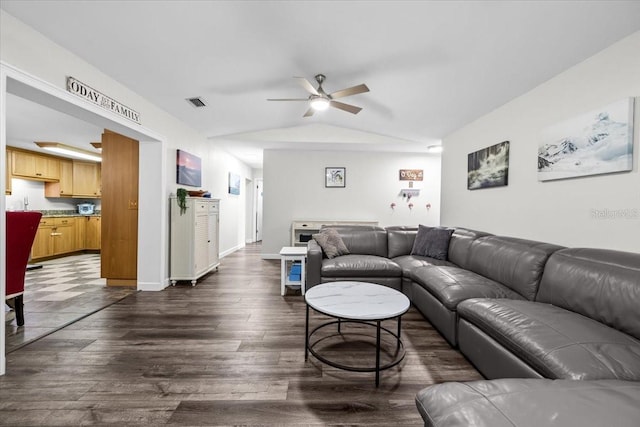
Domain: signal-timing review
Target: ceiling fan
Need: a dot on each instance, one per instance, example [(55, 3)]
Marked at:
[(320, 100)]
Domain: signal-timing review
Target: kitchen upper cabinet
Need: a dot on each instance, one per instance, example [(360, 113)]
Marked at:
[(35, 166), (86, 179), (7, 189), (64, 187), (77, 179)]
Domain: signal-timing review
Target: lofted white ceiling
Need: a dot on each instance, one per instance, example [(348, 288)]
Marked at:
[(431, 66)]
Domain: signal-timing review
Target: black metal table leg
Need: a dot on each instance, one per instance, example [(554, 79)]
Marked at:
[(377, 353), (306, 336), (399, 326)]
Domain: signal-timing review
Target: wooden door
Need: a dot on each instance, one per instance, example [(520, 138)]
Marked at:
[(119, 252)]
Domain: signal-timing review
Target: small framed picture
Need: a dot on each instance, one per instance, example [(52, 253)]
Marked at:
[(234, 184), (335, 177)]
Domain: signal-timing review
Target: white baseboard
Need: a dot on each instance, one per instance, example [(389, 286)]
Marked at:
[(152, 286), (270, 256), (230, 251)]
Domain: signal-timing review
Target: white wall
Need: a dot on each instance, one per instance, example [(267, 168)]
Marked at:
[(29, 51), (561, 211), (294, 189), (233, 209)]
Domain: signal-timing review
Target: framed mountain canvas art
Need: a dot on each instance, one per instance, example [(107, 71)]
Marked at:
[(597, 142)]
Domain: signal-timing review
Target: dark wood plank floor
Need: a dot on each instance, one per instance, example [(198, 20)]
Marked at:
[(229, 351)]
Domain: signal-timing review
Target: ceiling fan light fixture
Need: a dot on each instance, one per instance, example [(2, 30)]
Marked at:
[(67, 150), (319, 103)]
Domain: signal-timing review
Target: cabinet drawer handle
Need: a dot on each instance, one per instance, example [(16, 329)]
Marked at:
[(56, 234)]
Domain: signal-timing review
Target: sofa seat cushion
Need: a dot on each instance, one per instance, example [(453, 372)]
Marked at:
[(556, 342), (451, 285), (530, 403), (411, 262), (360, 266)]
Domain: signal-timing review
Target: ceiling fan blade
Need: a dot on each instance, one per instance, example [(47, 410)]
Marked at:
[(307, 86), (309, 112), (288, 99), (350, 91), (345, 107)]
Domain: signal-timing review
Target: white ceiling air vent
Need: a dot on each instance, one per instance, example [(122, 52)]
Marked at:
[(197, 102)]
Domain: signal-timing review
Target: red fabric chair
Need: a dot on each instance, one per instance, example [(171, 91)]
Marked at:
[(21, 231)]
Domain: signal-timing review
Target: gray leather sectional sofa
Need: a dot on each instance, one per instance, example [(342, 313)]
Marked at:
[(516, 309)]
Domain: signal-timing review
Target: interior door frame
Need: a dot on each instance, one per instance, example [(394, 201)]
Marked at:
[(258, 209), (152, 232)]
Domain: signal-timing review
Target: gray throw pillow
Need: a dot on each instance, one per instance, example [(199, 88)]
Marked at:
[(432, 242), (331, 242)]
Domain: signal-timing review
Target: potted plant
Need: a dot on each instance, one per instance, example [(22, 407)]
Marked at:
[(181, 195)]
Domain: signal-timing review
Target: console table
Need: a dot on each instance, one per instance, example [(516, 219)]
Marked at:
[(308, 227)]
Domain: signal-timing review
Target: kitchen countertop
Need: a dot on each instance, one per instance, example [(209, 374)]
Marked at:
[(66, 215), (63, 213)]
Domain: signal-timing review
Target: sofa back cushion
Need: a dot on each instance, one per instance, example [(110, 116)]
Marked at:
[(432, 242), (598, 283), (363, 239), (400, 240), (460, 244), (516, 263)]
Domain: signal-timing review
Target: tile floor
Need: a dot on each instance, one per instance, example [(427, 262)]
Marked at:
[(61, 292)]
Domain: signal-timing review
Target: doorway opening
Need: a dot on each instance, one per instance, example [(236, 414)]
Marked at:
[(152, 262)]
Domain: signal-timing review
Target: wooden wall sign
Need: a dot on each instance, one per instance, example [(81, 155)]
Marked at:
[(411, 174), (80, 89)]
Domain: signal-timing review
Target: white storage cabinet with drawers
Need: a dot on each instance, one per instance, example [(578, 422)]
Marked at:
[(194, 239)]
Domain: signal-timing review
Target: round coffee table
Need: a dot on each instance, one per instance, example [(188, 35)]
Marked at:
[(356, 302)]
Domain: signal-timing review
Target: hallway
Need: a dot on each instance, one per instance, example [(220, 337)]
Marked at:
[(227, 351)]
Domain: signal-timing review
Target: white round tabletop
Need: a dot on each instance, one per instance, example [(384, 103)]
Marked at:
[(357, 300)]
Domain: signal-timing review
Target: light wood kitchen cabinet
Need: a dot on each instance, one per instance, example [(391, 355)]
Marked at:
[(56, 236), (34, 166), (43, 242), (64, 235), (64, 187), (7, 189), (86, 179), (92, 239), (81, 233)]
